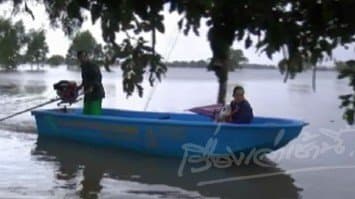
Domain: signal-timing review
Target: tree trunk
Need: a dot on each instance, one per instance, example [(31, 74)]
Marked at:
[(221, 39), (222, 90), (221, 72)]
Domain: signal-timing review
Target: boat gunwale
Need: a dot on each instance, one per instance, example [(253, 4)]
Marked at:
[(290, 122)]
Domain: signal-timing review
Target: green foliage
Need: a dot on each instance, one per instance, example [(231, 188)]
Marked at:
[(37, 48), (188, 64), (12, 38), (56, 60), (236, 57), (347, 70), (304, 31), (308, 31), (82, 41), (134, 66), (119, 16)]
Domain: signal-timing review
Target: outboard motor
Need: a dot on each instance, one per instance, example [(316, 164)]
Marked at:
[(67, 91)]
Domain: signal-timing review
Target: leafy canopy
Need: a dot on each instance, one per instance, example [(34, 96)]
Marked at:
[(236, 57), (37, 47), (82, 41), (56, 60), (304, 31), (12, 37)]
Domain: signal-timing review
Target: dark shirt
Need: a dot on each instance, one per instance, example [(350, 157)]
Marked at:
[(244, 113), (92, 78)]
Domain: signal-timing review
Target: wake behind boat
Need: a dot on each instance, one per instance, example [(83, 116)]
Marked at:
[(169, 134)]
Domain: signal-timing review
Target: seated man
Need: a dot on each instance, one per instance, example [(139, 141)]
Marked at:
[(241, 111)]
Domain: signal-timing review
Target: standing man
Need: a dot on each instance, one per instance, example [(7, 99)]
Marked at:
[(92, 84)]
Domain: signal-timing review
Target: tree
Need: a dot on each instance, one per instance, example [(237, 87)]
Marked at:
[(37, 48), (82, 41), (304, 31), (236, 57), (85, 41), (109, 56), (56, 60), (12, 39)]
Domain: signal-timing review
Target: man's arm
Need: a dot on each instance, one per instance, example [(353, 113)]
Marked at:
[(86, 75), (80, 86), (89, 89), (233, 112)]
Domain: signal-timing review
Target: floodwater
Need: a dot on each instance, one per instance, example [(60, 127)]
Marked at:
[(320, 163)]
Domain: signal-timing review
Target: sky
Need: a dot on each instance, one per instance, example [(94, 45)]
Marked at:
[(173, 44)]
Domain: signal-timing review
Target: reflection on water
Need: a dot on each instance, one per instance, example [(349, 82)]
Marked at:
[(9, 89), (28, 88), (92, 165), (300, 88), (35, 88)]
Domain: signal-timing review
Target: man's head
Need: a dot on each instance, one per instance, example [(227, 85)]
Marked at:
[(238, 93), (82, 56)]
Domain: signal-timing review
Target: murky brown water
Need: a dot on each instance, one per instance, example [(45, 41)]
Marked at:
[(318, 164)]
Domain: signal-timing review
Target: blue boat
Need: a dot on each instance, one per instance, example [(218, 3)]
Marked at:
[(168, 134)]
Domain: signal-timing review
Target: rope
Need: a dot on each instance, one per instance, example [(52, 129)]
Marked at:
[(167, 58), (37, 106), (29, 109)]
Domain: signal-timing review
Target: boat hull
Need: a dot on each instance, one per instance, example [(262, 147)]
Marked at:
[(168, 134)]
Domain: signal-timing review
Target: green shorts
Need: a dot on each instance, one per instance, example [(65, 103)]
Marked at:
[(92, 107)]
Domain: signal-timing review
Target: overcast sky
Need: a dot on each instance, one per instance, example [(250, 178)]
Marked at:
[(173, 45)]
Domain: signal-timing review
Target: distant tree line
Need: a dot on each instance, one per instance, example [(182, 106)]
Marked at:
[(20, 47), (204, 63), (188, 64), (236, 60)]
